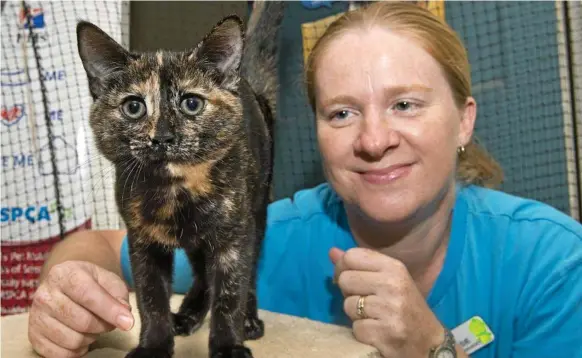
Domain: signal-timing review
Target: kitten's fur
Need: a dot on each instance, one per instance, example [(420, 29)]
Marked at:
[(191, 172)]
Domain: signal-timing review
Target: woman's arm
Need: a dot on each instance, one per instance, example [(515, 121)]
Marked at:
[(99, 247)]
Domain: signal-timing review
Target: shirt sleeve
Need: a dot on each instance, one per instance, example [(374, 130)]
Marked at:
[(551, 305), (182, 274)]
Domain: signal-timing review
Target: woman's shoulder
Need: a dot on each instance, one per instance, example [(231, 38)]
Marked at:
[(527, 257), (505, 209), (523, 238), (316, 203), (293, 223), (300, 231)]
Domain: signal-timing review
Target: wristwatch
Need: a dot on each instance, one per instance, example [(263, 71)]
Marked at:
[(445, 349)]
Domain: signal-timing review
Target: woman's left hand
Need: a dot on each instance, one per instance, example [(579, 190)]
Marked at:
[(397, 320)]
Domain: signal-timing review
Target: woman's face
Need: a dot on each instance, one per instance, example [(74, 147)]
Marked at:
[(387, 124)]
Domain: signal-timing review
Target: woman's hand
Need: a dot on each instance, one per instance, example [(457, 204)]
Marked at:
[(397, 320), (74, 304)]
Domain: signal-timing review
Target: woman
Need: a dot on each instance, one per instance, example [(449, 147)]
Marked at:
[(404, 242)]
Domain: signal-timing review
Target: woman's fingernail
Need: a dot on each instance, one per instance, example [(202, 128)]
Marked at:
[(124, 322)]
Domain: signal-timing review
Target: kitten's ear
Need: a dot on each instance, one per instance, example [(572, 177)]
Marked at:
[(222, 48), (101, 55)]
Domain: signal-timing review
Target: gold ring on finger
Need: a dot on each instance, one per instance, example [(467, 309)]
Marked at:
[(360, 308)]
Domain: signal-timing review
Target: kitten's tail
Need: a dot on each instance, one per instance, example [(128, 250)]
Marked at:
[(259, 62)]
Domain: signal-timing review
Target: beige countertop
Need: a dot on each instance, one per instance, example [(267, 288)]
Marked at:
[(285, 336)]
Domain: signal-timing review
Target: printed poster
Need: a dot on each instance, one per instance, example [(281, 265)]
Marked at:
[(34, 163)]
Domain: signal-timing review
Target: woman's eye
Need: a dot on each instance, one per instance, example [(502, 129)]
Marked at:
[(341, 115), (134, 108), (405, 106), (191, 105)]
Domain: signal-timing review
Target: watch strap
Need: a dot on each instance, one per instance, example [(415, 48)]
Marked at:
[(448, 344)]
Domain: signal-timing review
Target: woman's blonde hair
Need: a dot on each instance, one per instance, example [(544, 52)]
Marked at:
[(475, 165)]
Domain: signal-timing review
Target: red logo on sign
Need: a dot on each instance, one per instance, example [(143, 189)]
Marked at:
[(11, 115)]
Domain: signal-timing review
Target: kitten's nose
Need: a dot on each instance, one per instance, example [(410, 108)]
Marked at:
[(163, 138)]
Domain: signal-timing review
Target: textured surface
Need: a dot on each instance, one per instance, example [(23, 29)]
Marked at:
[(285, 337)]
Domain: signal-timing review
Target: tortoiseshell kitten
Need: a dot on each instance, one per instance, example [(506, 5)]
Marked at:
[(190, 135)]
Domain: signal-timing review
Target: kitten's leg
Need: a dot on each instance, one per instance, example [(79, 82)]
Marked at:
[(232, 270), (254, 328), (196, 303), (152, 271)]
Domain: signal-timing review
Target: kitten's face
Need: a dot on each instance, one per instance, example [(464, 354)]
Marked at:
[(164, 107)]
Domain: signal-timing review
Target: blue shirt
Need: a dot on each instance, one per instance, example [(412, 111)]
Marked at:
[(516, 263)]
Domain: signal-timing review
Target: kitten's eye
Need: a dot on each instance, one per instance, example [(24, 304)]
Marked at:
[(134, 108), (192, 105)]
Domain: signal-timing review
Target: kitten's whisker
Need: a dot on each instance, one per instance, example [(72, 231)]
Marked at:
[(100, 182), (127, 177), (139, 168), (132, 179), (135, 166), (101, 174), (88, 161)]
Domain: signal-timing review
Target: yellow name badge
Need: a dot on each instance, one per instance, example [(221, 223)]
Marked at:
[(473, 335)]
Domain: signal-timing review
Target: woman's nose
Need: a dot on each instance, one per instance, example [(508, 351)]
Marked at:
[(376, 137)]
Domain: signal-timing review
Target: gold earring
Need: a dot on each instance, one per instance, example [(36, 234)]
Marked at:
[(461, 150)]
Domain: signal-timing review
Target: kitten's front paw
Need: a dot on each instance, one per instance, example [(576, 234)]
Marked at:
[(232, 352), (141, 352), (184, 325), (254, 328)]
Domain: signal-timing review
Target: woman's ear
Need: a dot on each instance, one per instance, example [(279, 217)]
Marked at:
[(467, 124)]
